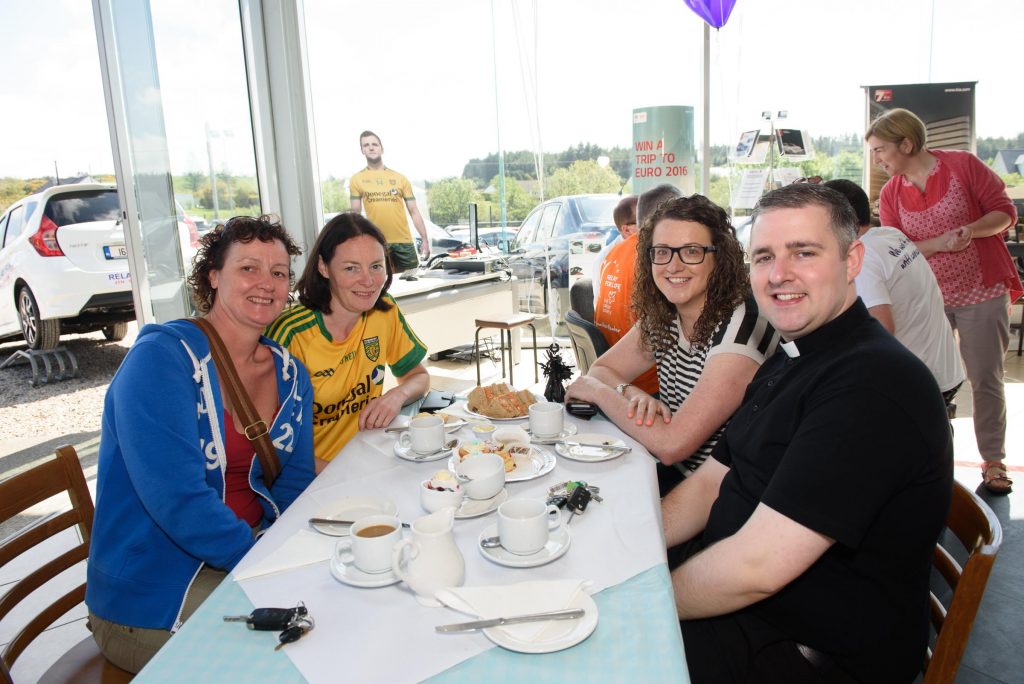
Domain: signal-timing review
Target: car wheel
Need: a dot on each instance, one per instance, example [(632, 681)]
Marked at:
[(39, 333), (115, 332)]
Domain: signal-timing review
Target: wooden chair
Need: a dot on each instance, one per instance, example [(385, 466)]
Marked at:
[(588, 341), (505, 325), (17, 494), (976, 526)]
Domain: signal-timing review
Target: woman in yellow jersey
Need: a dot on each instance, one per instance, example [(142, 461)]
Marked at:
[(345, 328)]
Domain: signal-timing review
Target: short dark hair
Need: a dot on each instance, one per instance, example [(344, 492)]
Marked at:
[(842, 219), (213, 249), (857, 197), (625, 211), (367, 134), (314, 289), (649, 201)]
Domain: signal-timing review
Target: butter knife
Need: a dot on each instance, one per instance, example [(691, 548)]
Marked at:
[(334, 521), (602, 447), (567, 614)]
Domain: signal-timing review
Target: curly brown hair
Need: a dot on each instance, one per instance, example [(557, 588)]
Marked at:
[(728, 284), (213, 249)]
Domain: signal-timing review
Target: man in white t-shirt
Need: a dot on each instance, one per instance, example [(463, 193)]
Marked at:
[(900, 290)]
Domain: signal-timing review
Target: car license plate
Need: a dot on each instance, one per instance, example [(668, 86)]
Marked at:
[(115, 251)]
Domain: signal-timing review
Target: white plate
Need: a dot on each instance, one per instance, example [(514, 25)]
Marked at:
[(453, 423), (558, 544), (557, 635), (348, 573), (528, 467), (568, 430), (466, 409), (593, 449), (473, 508), (409, 455), (352, 508)]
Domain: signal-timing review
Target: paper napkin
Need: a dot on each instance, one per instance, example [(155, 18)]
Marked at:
[(514, 599), (302, 548)]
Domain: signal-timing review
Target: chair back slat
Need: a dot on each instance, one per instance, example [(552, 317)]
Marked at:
[(976, 526), (20, 493)]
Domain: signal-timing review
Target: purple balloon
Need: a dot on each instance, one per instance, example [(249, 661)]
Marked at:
[(714, 12)]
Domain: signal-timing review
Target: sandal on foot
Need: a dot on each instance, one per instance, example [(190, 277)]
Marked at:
[(994, 478)]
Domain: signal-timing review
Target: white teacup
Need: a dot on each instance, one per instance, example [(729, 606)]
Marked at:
[(525, 524), (424, 436), (369, 543), (482, 475), (546, 419)]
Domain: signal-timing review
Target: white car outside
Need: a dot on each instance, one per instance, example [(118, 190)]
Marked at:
[(63, 265)]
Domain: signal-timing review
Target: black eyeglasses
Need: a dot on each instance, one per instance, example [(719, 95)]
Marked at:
[(688, 254), (812, 180)]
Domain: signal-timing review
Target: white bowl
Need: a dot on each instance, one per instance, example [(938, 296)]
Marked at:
[(434, 500)]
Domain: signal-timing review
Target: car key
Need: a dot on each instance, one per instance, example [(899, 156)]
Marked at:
[(269, 619), (295, 632), (577, 502)]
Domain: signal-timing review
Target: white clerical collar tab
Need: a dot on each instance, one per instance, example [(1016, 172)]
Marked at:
[(790, 349)]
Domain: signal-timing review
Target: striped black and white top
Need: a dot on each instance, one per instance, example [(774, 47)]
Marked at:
[(680, 366)]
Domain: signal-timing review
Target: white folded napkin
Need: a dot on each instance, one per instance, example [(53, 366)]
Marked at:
[(302, 548), (515, 599)]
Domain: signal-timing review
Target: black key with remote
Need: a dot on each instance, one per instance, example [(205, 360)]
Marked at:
[(269, 619), (577, 502)]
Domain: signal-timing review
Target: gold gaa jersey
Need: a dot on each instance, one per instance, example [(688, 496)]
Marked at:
[(346, 374), (384, 193)]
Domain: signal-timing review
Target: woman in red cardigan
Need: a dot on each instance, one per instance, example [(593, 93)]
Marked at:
[(955, 209)]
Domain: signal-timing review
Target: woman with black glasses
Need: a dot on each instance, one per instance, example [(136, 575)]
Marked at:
[(697, 322)]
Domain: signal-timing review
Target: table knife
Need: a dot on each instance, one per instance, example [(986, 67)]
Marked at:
[(567, 614), (334, 521), (606, 447)]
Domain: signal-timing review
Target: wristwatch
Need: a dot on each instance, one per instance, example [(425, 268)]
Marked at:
[(621, 388)]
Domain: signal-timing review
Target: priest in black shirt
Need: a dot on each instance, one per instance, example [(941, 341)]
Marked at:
[(820, 507)]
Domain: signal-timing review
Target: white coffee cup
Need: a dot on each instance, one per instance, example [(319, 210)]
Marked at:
[(369, 544), (424, 436), (546, 419), (482, 475), (525, 524)]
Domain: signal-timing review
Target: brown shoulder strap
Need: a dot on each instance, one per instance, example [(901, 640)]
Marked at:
[(256, 430)]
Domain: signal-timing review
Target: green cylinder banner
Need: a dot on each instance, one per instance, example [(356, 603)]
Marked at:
[(663, 148)]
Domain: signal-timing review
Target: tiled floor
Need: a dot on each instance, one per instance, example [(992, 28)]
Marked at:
[(993, 654)]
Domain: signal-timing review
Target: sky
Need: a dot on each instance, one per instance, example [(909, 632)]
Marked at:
[(429, 78)]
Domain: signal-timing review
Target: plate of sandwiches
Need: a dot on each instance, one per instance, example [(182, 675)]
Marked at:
[(499, 402)]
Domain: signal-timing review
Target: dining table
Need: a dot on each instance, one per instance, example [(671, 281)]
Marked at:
[(616, 550)]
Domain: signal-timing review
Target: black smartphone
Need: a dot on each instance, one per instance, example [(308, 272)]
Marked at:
[(582, 409)]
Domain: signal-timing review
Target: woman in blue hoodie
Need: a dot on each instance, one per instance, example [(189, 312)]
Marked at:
[(180, 491)]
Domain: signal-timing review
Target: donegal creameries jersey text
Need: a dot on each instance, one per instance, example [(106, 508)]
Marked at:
[(384, 193)]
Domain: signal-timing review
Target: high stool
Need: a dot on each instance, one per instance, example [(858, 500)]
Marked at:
[(505, 325)]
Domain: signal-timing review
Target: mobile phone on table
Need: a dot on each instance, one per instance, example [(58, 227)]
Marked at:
[(581, 409)]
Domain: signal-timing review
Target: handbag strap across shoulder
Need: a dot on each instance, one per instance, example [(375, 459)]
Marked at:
[(256, 430)]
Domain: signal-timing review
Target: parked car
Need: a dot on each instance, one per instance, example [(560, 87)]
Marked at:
[(490, 236), (440, 239), (580, 225), (64, 266)]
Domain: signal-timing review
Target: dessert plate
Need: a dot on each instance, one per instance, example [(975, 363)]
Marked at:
[(593, 448), (558, 544), (531, 463), (352, 508), (556, 635), (348, 573)]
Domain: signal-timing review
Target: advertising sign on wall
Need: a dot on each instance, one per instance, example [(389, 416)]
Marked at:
[(947, 110), (663, 149)]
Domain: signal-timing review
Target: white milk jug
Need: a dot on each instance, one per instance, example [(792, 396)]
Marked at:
[(430, 560)]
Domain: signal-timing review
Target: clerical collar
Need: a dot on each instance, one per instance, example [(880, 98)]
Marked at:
[(829, 335)]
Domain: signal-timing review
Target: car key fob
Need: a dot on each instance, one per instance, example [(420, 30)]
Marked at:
[(581, 409)]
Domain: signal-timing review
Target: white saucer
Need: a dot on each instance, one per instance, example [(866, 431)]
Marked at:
[(593, 448), (557, 635), (348, 573), (568, 430), (558, 544), (409, 455), (453, 424), (352, 508), (473, 508)]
